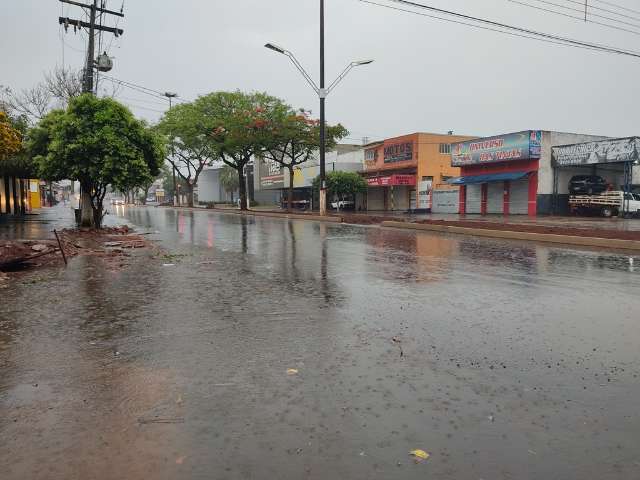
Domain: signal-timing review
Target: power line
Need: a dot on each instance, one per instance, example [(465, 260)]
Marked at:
[(593, 7), (617, 6), (480, 27), (506, 29), (608, 25)]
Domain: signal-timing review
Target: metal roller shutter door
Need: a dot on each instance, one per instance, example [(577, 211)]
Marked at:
[(495, 198), (519, 197), (474, 197), (375, 199)]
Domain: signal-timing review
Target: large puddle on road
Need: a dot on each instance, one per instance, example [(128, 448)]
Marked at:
[(500, 359)]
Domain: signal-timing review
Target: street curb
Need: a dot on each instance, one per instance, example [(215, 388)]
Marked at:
[(255, 213), (512, 235)]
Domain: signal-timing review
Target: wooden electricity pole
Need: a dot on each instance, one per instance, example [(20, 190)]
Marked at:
[(86, 215)]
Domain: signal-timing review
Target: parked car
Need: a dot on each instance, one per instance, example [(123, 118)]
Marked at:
[(587, 185), (343, 205), (117, 201)]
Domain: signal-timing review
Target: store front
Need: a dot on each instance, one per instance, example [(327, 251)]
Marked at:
[(391, 192), (499, 175), (612, 162)]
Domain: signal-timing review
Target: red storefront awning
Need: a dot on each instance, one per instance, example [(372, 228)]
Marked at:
[(392, 181)]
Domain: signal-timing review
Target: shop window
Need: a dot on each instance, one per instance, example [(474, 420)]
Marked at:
[(445, 148)]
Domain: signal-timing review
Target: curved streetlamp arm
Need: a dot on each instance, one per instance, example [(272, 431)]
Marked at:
[(344, 73), (304, 73)]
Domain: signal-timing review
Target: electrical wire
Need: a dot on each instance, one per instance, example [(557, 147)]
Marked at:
[(593, 7), (505, 28), (581, 18), (617, 6)]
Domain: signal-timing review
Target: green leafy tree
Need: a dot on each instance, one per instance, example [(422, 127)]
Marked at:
[(342, 185), (239, 125), (295, 139), (98, 142), (229, 180), (189, 147)]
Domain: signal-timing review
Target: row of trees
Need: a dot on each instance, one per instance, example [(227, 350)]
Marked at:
[(99, 143), (234, 127)]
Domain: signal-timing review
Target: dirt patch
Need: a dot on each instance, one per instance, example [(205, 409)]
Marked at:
[(113, 245), (553, 230), (359, 219)]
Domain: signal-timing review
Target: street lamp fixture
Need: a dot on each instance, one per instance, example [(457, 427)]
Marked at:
[(322, 93)]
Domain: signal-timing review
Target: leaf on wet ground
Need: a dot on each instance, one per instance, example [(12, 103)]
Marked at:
[(419, 455), (292, 371), (180, 460)]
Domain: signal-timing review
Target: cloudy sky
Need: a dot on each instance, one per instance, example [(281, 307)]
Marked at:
[(428, 75)]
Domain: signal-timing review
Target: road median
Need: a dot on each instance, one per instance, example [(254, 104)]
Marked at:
[(585, 241)]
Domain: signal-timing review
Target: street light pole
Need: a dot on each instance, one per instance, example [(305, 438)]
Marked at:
[(322, 93), (176, 202), (323, 143)]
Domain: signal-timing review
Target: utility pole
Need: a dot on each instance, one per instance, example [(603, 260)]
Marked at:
[(176, 197), (93, 9), (86, 213)]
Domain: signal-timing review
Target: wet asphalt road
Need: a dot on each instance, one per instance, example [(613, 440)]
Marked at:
[(510, 361)]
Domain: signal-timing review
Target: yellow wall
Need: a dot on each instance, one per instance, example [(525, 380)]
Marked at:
[(432, 163)]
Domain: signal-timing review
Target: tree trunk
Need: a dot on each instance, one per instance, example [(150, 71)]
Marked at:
[(242, 189), (86, 210), (190, 195), (98, 214), (290, 203)]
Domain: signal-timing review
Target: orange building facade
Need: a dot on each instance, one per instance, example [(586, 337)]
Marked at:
[(402, 172)]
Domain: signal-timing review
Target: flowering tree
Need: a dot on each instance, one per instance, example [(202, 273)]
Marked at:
[(295, 139), (239, 125)]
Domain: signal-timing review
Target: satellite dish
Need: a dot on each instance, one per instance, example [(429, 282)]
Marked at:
[(104, 62)]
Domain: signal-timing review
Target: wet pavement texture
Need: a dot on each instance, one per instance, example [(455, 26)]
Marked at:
[(501, 359)]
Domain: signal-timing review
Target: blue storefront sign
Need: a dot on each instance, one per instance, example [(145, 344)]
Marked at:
[(502, 148)]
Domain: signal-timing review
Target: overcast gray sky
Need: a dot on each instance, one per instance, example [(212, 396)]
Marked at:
[(428, 75)]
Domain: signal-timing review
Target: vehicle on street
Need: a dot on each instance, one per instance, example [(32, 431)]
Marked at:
[(117, 201), (606, 204), (587, 185), (343, 205)]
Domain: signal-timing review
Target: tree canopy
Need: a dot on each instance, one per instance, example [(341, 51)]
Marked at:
[(342, 184), (98, 142), (295, 139), (189, 148), (239, 125), (10, 137)]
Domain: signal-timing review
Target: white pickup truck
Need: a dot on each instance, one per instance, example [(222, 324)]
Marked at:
[(606, 204)]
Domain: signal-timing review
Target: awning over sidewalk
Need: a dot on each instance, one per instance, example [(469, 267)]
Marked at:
[(489, 178)]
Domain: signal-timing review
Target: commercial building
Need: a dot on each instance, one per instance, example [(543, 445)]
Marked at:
[(511, 173), (272, 178), (403, 171), (18, 196)]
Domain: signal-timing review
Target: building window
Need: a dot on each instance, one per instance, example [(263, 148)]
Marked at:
[(427, 179), (446, 178), (445, 148), (371, 155)]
